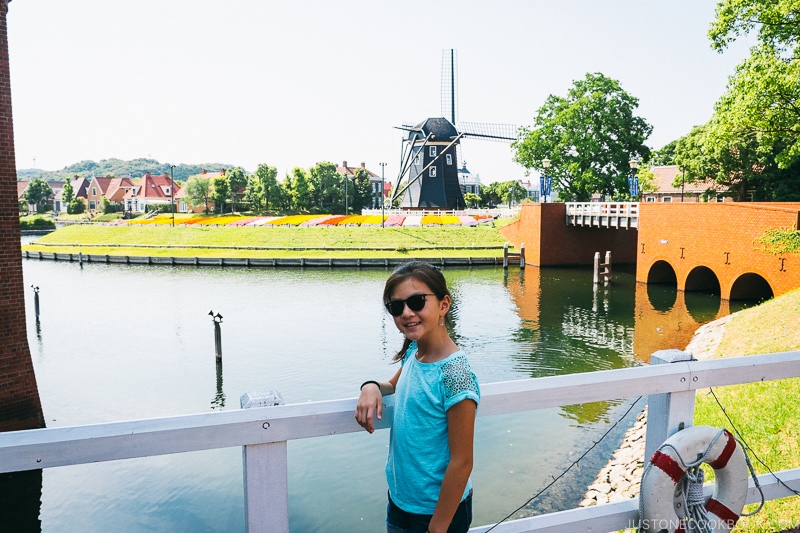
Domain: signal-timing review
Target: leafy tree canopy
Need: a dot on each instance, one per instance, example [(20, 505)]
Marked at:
[(589, 136)]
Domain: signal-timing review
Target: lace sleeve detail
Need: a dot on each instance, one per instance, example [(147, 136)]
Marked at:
[(459, 381)]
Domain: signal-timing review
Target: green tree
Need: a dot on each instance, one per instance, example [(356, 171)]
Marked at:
[(663, 156), (105, 205), (328, 187), (198, 191), (37, 192), (220, 192), (254, 194), (491, 194), (302, 191), (76, 207), (268, 178), (472, 199), (737, 162), (362, 190), (67, 192), (237, 180), (762, 95), (589, 136)]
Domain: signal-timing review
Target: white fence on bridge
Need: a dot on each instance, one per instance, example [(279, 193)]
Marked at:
[(264, 432), (603, 214)]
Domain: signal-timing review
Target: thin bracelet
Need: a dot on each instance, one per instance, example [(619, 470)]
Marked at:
[(371, 381)]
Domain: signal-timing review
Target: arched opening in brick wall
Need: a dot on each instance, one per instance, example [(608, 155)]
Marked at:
[(702, 293), (702, 279), (662, 272), (751, 287)]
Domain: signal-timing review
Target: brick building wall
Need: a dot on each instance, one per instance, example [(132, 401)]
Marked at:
[(20, 407), (718, 236), (550, 242)]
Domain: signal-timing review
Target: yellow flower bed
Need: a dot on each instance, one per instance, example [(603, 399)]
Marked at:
[(431, 220)]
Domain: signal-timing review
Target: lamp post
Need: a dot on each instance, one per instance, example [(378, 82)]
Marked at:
[(345, 191), (172, 193), (383, 198), (544, 185), (633, 179)]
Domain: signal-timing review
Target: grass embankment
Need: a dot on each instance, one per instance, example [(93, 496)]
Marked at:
[(766, 413), (280, 242)]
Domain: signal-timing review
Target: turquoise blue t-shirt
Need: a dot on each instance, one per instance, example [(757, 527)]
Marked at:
[(418, 449)]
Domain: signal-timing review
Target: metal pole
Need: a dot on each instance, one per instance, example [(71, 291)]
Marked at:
[(345, 191), (172, 193), (383, 198)]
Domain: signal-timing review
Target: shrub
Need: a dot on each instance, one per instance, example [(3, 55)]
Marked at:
[(76, 207), (36, 223)]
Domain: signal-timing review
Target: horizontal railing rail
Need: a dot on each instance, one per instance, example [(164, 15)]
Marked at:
[(265, 431), (603, 214)]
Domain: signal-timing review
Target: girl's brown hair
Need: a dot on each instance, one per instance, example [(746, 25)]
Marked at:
[(420, 271)]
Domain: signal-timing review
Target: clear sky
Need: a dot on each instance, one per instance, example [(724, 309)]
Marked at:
[(292, 83)]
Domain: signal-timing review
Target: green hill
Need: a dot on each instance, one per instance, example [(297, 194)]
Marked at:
[(117, 167)]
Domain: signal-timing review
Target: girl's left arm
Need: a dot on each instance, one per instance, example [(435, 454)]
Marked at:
[(460, 435)]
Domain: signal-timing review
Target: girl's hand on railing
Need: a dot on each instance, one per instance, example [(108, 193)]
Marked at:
[(369, 406)]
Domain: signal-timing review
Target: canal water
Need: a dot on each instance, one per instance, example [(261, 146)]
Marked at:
[(116, 342)]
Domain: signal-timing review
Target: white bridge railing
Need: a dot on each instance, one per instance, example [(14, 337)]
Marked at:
[(264, 432), (603, 214)]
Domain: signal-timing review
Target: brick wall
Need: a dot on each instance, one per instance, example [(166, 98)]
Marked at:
[(720, 237), (20, 407), (550, 242)]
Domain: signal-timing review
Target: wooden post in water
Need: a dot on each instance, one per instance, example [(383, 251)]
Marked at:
[(522, 256), (217, 335), (505, 256), (36, 300)]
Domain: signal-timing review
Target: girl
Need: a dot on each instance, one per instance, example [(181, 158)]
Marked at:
[(430, 446)]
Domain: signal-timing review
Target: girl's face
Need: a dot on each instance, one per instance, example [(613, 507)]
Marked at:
[(417, 325)]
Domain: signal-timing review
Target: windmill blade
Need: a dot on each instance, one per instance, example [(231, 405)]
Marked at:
[(488, 131), (449, 94)]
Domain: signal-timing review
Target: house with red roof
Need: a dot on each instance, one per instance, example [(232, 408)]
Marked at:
[(114, 189), (150, 191), (53, 202), (670, 187)]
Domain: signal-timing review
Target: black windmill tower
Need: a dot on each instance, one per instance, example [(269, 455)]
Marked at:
[(430, 154)]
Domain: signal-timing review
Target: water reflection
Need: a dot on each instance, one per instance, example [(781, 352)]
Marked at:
[(219, 398)]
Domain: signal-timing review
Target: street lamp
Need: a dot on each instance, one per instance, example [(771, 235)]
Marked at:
[(544, 181), (172, 193), (345, 191), (633, 179), (383, 198)]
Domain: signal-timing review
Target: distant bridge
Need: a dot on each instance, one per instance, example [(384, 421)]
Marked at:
[(708, 247)]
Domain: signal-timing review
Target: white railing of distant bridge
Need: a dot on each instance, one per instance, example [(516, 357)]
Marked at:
[(603, 214), (502, 212), (264, 433)]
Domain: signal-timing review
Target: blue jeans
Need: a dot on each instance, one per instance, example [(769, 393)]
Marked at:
[(399, 521)]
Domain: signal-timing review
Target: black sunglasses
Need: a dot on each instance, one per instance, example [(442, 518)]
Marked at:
[(415, 303)]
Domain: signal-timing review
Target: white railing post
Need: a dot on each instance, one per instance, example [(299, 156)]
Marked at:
[(266, 488), (266, 475), (667, 413)]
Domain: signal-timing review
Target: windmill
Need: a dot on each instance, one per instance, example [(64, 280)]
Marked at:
[(430, 153)]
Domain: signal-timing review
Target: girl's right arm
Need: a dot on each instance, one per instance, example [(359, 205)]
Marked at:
[(370, 401)]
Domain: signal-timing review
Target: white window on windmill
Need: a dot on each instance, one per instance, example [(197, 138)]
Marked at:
[(416, 159), (449, 158), (432, 172), (432, 151)]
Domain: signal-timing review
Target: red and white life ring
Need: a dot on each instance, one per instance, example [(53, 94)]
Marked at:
[(666, 469)]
